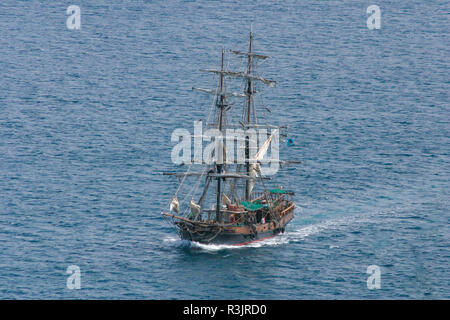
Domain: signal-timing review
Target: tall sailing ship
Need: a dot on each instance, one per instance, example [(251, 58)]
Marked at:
[(242, 209)]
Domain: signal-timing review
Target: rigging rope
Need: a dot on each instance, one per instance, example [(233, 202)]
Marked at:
[(192, 191)]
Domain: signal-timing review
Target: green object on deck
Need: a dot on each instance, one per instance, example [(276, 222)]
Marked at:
[(281, 191), (253, 206)]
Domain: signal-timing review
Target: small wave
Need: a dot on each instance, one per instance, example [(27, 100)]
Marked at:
[(171, 239)]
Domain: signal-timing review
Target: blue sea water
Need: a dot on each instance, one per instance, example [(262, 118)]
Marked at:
[(86, 118)]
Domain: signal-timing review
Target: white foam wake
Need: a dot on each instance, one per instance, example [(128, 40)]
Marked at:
[(281, 239), (171, 239), (290, 236)]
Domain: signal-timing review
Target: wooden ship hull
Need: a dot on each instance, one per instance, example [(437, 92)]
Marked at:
[(240, 232), (233, 235)]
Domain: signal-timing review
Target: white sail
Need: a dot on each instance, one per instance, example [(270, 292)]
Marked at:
[(195, 208), (255, 168), (225, 199), (263, 150), (175, 205)]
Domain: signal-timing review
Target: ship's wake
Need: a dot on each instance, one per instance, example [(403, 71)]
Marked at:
[(290, 236), (293, 234)]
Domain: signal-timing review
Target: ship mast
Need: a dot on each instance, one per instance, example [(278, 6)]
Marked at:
[(249, 103), (219, 166)]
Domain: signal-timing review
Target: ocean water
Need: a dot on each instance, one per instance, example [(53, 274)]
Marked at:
[(86, 118)]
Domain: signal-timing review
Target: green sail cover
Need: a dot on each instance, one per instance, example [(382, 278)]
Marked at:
[(281, 191), (253, 206)]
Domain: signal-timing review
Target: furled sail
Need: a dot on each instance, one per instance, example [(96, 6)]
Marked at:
[(175, 205), (236, 74), (225, 199), (195, 208), (225, 94), (250, 54), (254, 169)]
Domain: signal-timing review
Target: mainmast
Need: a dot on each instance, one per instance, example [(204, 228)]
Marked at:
[(249, 104), (219, 166)]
